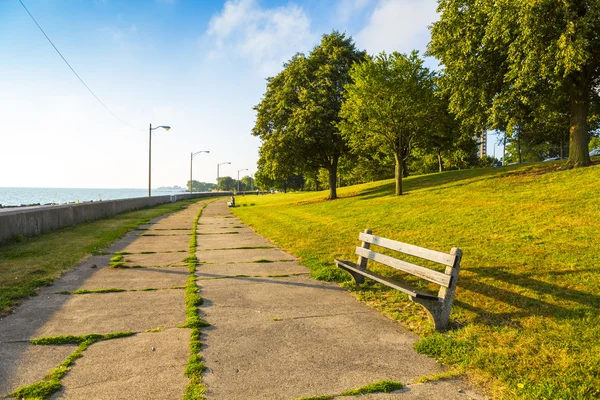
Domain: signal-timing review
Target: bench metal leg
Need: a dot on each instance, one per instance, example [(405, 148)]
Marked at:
[(358, 278), (438, 311)]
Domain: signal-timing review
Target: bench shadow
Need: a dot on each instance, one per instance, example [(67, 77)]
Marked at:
[(527, 305), (275, 281)]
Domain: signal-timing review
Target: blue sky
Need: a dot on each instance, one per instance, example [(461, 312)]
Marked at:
[(198, 66)]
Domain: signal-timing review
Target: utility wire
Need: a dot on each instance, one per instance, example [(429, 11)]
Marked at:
[(76, 74)]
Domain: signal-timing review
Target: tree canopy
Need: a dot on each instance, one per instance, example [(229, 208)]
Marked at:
[(388, 106), (507, 62), (298, 115)]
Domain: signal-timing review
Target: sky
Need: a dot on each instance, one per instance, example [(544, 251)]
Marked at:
[(197, 66)]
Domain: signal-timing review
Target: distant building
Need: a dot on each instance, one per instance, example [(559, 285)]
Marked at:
[(481, 144)]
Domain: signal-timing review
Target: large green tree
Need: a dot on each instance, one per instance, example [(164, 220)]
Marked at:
[(298, 115), (387, 106), (500, 54)]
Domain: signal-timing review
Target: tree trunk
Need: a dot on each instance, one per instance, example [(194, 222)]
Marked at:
[(404, 168), (519, 146), (332, 183), (579, 137), (398, 173), (440, 162)]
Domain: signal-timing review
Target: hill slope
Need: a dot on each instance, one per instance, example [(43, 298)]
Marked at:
[(526, 316)]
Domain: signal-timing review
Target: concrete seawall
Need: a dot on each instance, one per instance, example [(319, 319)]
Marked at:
[(35, 220)]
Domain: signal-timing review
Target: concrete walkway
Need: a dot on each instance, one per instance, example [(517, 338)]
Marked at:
[(276, 333)]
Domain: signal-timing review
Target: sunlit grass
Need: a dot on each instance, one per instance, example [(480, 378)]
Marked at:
[(525, 321)]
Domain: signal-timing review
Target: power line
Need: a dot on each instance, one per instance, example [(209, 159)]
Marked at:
[(76, 74)]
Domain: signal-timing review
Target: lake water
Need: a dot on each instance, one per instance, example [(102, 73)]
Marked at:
[(18, 196)]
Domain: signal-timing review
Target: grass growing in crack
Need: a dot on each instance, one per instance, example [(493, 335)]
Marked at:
[(384, 386), (36, 261), (263, 260), (195, 367), (107, 290), (149, 289), (440, 376), (123, 266), (245, 248), (51, 382), (155, 330), (377, 387)]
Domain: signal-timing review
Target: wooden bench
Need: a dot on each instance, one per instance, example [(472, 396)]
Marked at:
[(438, 307)]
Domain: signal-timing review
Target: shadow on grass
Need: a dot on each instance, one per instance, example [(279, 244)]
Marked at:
[(526, 302), (431, 181)]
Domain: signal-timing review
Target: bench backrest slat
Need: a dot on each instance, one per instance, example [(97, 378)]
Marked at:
[(432, 276), (412, 250)]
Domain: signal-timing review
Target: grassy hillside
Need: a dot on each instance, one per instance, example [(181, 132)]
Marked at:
[(526, 320)]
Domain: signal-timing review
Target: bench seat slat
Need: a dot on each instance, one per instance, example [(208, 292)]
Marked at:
[(412, 250), (350, 266), (413, 269)]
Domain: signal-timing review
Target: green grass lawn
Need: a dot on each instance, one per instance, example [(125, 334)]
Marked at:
[(33, 262), (526, 320)]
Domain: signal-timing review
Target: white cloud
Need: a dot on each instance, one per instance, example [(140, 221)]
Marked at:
[(398, 25), (266, 36), (346, 9)]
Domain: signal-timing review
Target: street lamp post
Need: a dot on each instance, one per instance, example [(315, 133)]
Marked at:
[(218, 165), (239, 170), (191, 159), (150, 155)]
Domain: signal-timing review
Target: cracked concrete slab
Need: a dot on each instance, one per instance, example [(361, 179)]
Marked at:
[(74, 278), (114, 312), (220, 230), (207, 271), (144, 366), (281, 298), (165, 232), (242, 255), (156, 259), (158, 243), (23, 364), (207, 242), (137, 278)]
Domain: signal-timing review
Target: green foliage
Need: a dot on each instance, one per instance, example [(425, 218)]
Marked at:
[(526, 66), (388, 106), (201, 186), (227, 183), (297, 118)]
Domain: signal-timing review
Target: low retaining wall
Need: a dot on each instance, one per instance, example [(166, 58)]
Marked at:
[(36, 220)]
